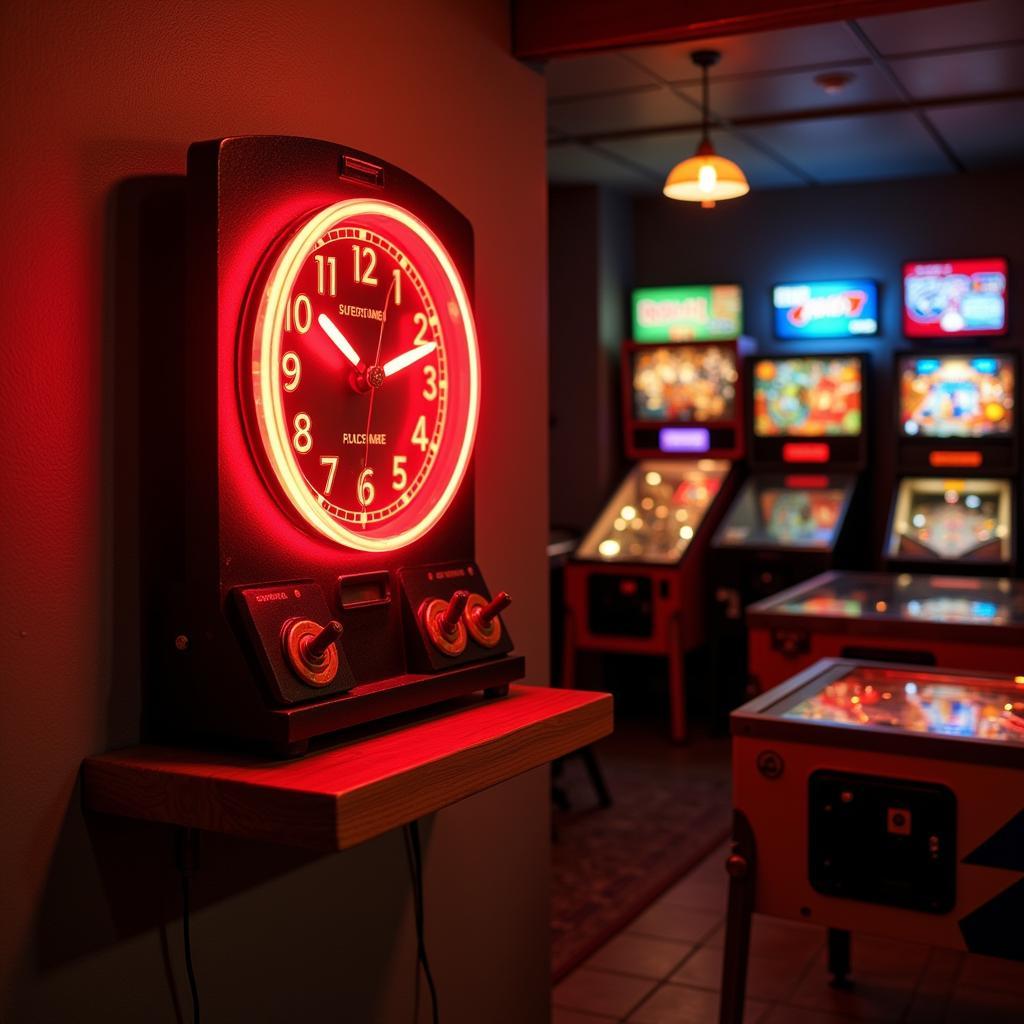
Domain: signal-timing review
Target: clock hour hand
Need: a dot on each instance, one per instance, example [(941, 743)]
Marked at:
[(414, 355), (339, 339)]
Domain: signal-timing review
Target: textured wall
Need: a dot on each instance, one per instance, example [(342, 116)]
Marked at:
[(95, 93)]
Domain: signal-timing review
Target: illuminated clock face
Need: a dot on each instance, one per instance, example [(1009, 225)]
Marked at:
[(364, 375)]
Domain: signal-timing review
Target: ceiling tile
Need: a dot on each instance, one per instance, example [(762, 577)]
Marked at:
[(650, 107), (962, 74), (660, 153), (856, 148), (572, 164), (760, 51), (782, 92), (971, 24), (982, 134), (598, 72)]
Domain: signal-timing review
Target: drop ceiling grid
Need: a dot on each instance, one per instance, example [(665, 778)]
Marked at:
[(604, 95)]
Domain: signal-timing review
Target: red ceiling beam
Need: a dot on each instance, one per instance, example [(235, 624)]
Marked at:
[(559, 28)]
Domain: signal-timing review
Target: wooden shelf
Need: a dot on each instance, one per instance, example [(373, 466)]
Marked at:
[(359, 788)]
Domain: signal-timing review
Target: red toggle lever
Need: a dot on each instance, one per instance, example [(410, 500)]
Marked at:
[(453, 613), (317, 647), (489, 612)]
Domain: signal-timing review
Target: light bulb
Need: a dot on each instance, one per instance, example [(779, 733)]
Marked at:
[(707, 178)]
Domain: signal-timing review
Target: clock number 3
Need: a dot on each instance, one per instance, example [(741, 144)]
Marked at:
[(430, 382)]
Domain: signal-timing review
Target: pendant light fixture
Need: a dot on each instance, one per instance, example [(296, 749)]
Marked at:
[(706, 177)]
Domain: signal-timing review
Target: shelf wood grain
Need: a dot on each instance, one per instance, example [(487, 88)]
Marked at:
[(356, 789)]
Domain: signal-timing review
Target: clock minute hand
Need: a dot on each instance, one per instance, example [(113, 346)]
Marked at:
[(339, 339), (414, 355)]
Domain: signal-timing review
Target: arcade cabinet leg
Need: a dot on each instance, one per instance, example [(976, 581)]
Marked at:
[(839, 957), (741, 867), (677, 682)]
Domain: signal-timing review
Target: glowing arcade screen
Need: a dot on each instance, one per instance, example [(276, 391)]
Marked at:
[(684, 384), (818, 396), (954, 297), (825, 309), (956, 396), (697, 312)]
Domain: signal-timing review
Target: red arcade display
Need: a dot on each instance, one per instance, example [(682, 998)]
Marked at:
[(636, 583), (954, 298), (321, 573), (957, 422)]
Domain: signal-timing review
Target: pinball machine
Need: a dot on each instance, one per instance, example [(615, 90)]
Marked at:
[(798, 513), (636, 583), (964, 622), (955, 507), (881, 798)]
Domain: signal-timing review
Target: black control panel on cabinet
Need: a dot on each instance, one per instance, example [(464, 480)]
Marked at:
[(295, 639), (451, 617)]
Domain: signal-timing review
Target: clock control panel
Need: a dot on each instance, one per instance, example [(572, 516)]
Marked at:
[(451, 617)]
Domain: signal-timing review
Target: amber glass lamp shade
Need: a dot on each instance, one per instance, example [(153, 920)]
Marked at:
[(706, 178)]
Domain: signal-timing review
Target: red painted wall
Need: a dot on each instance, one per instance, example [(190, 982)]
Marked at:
[(93, 93)]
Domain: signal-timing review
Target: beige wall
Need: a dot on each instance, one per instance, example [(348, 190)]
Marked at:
[(95, 92)]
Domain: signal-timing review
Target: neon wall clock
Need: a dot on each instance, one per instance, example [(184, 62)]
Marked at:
[(311, 448), (364, 375)]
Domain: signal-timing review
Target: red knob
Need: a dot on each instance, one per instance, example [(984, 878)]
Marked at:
[(489, 612), (453, 613), (317, 647)]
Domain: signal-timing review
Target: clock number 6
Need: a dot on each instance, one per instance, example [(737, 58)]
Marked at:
[(365, 488)]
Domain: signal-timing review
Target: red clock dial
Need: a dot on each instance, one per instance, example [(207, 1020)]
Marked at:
[(364, 375)]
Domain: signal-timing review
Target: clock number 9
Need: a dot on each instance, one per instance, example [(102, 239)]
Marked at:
[(365, 488), (292, 369), (302, 439)]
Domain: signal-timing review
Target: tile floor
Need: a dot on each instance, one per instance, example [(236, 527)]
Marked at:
[(665, 969)]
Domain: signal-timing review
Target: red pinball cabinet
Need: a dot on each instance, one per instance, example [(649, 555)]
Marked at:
[(879, 798), (957, 444), (636, 585), (964, 622)]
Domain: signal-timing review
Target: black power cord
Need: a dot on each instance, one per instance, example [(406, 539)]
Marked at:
[(415, 857), (186, 848)]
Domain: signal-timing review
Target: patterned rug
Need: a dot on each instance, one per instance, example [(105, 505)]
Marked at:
[(671, 807)]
